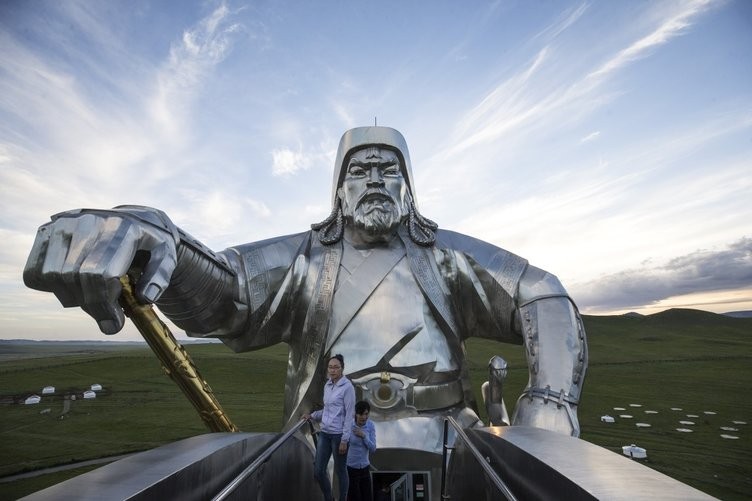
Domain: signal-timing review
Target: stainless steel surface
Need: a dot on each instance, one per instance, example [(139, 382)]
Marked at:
[(356, 138), (492, 476), (196, 469), (399, 298), (81, 254), (251, 468), (533, 464), (493, 392), (540, 464), (556, 362)]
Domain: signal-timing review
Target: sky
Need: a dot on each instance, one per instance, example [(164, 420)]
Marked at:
[(607, 142)]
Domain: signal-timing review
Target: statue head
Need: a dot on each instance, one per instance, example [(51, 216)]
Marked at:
[(373, 191)]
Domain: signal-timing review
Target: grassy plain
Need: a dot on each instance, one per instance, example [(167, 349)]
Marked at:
[(696, 361)]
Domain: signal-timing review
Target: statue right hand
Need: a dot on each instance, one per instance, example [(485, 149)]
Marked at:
[(81, 254)]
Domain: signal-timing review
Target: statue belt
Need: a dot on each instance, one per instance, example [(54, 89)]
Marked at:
[(393, 392)]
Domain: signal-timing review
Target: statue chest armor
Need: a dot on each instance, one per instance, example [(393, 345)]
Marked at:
[(393, 324)]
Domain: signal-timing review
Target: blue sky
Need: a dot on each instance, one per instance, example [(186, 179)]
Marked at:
[(608, 142)]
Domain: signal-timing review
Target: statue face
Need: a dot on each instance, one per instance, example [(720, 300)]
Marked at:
[(373, 191)]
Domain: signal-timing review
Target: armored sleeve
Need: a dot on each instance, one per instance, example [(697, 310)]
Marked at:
[(484, 280)]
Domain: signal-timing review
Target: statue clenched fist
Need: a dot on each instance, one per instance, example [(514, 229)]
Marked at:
[(80, 256)]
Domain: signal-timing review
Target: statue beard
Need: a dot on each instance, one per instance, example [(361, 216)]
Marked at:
[(377, 216)]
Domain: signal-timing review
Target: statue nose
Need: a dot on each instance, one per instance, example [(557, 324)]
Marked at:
[(376, 178)]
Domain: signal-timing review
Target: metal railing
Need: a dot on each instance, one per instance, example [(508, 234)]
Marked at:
[(251, 468), (490, 473)]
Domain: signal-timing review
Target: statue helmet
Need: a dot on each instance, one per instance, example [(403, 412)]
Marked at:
[(361, 137)]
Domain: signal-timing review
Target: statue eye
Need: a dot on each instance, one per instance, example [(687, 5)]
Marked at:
[(392, 170), (356, 171)]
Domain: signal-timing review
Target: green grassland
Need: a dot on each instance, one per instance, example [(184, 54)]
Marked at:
[(696, 361)]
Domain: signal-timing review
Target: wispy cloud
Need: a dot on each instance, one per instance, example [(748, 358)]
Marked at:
[(590, 137), (505, 108), (199, 51), (676, 23), (107, 140), (566, 19), (78, 130), (528, 96)]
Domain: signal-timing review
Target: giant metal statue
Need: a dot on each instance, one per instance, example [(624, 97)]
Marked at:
[(375, 281)]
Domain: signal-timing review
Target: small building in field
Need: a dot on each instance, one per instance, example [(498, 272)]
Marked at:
[(96, 387), (32, 399), (48, 390), (90, 394)]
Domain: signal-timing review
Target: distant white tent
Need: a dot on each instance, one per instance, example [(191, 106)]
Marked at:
[(96, 387), (634, 452), (607, 419), (33, 399), (48, 390), (90, 394)]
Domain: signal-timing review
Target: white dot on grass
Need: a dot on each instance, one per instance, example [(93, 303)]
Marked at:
[(692, 415), (619, 409), (642, 425), (625, 416), (676, 408), (651, 412), (730, 437), (729, 428), (635, 405), (684, 430), (686, 422), (739, 422), (709, 413)]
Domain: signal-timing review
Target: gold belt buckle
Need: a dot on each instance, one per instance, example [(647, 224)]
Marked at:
[(385, 391)]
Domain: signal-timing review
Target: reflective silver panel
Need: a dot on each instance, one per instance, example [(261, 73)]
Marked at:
[(398, 301)]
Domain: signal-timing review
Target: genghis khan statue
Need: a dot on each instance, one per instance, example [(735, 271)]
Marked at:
[(376, 282)]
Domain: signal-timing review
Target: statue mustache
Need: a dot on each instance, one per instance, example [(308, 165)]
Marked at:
[(375, 193)]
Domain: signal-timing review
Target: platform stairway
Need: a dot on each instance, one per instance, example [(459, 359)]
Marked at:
[(493, 463)]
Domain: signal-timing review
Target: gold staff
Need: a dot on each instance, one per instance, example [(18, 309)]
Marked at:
[(175, 360)]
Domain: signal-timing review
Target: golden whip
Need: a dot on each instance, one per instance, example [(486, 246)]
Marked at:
[(175, 360)]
